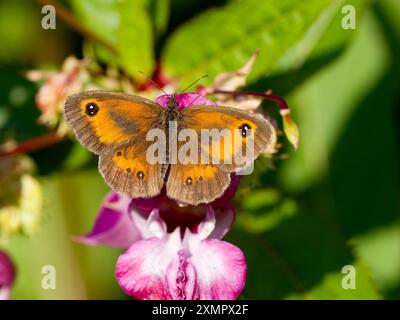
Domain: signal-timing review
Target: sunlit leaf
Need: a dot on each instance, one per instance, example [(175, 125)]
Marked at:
[(335, 285), (124, 25), (224, 38)]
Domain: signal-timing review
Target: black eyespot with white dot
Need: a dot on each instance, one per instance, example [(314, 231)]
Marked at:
[(92, 109), (128, 170), (245, 130), (140, 175), (189, 181)]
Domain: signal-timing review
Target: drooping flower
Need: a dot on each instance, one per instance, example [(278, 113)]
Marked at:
[(7, 275)]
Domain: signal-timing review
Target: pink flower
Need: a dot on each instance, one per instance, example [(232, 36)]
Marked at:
[(189, 262), (7, 275)]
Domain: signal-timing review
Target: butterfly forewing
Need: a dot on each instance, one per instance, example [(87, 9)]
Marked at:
[(102, 119)]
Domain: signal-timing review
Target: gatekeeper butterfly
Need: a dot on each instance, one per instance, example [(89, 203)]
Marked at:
[(115, 126)]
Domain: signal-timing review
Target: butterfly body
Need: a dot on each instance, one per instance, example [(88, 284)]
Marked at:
[(116, 126)]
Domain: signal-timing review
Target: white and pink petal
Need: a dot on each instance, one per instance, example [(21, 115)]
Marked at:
[(141, 270), (220, 269)]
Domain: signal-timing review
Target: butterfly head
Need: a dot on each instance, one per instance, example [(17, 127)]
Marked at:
[(172, 103)]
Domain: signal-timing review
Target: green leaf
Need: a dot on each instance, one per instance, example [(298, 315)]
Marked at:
[(223, 39), (159, 12), (19, 30), (323, 112), (390, 12), (324, 37), (100, 16), (135, 38), (303, 258), (376, 248), (297, 54), (330, 288), (335, 37), (264, 210), (321, 45), (126, 26), (291, 258)]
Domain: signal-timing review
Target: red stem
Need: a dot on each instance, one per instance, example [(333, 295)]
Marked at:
[(282, 103), (33, 144)]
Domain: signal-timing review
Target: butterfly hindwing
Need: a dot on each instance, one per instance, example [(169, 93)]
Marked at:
[(196, 183), (126, 169)]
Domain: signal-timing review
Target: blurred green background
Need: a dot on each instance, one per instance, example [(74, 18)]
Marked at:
[(332, 203)]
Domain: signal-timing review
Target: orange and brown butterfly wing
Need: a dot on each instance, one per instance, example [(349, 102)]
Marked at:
[(102, 119), (196, 183), (125, 169), (114, 125), (262, 133), (193, 183)]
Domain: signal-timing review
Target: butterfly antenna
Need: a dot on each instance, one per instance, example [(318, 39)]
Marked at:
[(153, 82), (193, 83), (194, 100)]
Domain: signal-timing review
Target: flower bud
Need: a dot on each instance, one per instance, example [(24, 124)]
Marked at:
[(290, 128)]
